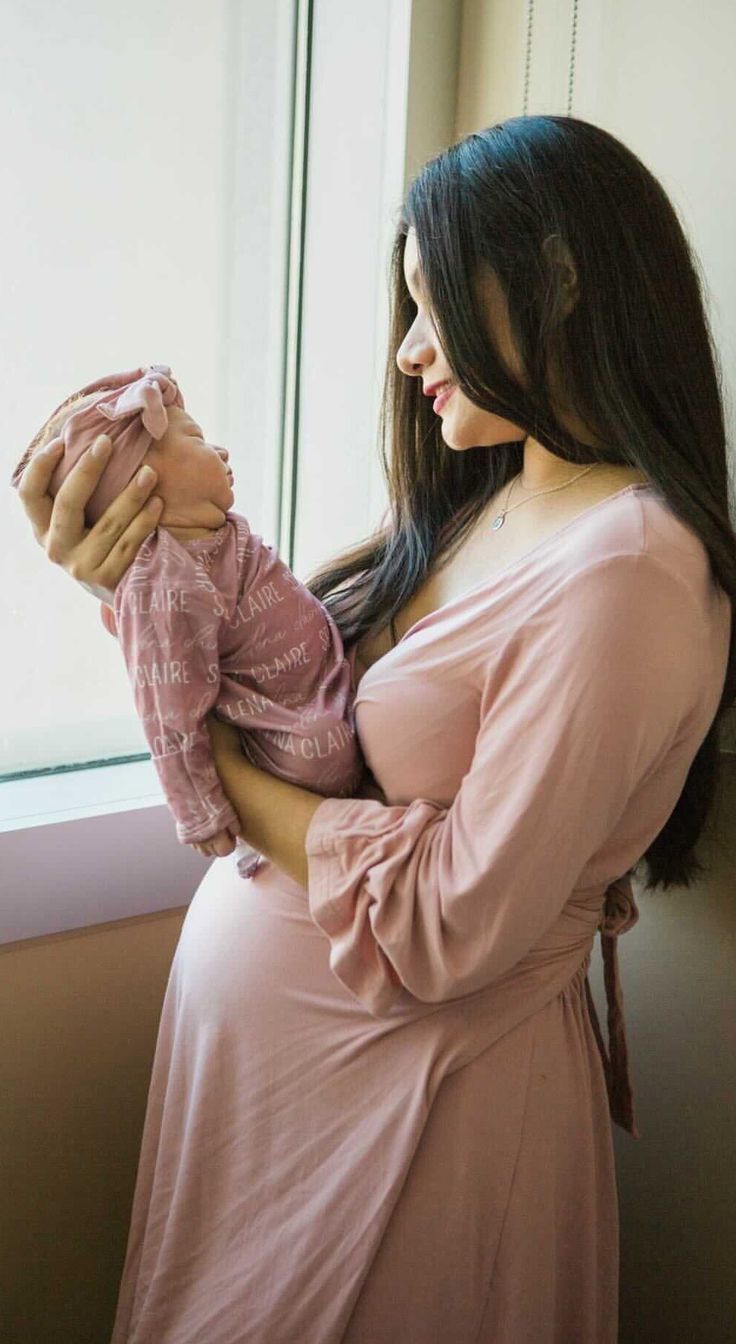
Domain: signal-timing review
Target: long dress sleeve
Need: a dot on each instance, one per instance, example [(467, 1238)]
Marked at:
[(580, 704), (167, 629)]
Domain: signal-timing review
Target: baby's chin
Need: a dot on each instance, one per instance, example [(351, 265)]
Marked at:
[(207, 514)]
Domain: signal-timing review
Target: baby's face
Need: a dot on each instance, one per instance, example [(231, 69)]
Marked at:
[(194, 478)]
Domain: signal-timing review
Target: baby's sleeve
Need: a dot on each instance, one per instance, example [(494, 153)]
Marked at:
[(444, 900), (168, 632)]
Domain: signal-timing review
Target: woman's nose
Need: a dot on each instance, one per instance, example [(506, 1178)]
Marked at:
[(414, 355)]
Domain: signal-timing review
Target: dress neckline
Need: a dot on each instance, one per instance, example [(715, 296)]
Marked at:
[(507, 569), (522, 559)]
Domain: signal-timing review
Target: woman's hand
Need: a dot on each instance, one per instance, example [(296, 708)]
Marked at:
[(97, 558), (107, 616), (218, 846)]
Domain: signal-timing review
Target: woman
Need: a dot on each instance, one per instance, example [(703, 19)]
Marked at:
[(379, 1108)]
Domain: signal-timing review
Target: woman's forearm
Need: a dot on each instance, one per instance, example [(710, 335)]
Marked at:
[(274, 815)]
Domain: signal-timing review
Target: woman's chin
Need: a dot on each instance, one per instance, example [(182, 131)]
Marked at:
[(453, 437)]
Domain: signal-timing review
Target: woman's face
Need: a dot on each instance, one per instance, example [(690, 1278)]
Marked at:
[(420, 355)]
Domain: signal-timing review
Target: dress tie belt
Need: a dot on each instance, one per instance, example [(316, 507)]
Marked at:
[(619, 914)]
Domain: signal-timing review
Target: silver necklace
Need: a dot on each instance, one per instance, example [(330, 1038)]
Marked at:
[(501, 517), (499, 520)]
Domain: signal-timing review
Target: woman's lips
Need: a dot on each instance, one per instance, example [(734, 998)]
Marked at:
[(443, 396)]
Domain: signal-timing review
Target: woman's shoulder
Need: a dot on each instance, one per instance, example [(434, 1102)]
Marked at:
[(629, 573), (639, 533)]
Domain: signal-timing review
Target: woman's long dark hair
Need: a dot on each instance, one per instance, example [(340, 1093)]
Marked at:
[(635, 356)]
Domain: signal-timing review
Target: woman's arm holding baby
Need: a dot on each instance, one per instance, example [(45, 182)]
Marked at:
[(273, 813)]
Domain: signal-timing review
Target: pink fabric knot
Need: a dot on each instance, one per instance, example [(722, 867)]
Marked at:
[(133, 417), (620, 913), (147, 396)]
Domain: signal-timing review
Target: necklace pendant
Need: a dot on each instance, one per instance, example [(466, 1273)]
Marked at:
[(498, 522)]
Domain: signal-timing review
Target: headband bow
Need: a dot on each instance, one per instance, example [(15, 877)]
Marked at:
[(131, 409)]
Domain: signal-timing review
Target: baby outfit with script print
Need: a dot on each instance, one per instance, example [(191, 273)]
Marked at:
[(222, 623)]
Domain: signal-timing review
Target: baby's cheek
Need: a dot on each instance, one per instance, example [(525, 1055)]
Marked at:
[(187, 483), (163, 467)]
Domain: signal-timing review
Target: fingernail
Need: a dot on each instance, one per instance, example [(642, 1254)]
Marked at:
[(145, 476), (51, 448), (100, 447)]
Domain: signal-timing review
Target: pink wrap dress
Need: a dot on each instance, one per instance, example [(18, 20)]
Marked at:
[(380, 1107)]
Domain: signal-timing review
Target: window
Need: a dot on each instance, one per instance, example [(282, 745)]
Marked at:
[(147, 188)]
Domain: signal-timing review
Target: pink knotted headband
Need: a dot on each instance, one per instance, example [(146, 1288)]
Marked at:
[(131, 409)]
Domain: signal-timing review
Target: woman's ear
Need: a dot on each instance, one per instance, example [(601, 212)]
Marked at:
[(558, 256)]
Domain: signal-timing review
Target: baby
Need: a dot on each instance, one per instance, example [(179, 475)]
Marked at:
[(208, 617)]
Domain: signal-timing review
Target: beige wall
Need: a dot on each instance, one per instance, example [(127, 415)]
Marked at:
[(660, 77), (79, 1014)]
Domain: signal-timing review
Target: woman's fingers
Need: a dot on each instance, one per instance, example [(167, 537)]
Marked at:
[(112, 543), (107, 616), (34, 484), (219, 846), (224, 844), (66, 528)]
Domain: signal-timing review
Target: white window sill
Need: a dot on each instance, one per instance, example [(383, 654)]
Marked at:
[(89, 847), (46, 799)]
